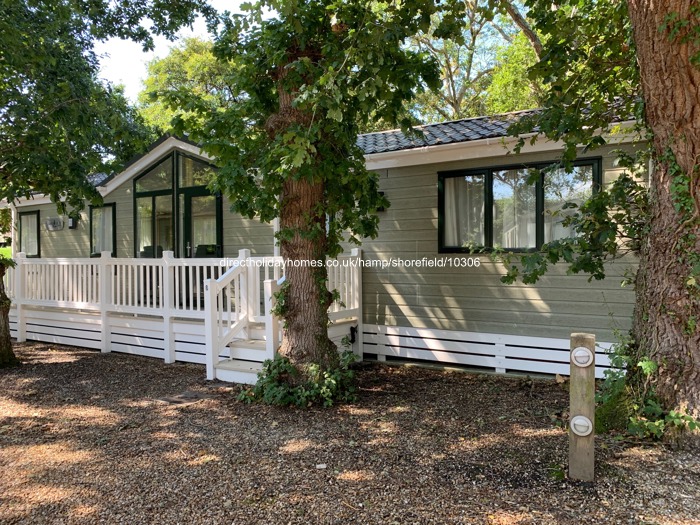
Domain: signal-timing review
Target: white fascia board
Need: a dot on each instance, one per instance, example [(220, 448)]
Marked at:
[(161, 150), (477, 149), (34, 201)]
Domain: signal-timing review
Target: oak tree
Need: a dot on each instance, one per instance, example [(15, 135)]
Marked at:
[(306, 81)]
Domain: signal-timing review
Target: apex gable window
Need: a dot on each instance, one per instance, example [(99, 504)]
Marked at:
[(174, 209), (103, 234), (497, 208), (29, 240)]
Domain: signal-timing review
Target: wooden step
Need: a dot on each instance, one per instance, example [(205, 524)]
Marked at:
[(256, 330), (249, 350), (237, 371)]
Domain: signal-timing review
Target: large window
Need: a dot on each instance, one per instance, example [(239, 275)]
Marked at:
[(176, 187), (103, 236), (29, 242), (497, 208)]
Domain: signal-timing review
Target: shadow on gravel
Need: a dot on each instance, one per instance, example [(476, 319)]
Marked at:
[(108, 438)]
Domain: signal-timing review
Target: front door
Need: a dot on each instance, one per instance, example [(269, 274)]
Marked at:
[(201, 231)]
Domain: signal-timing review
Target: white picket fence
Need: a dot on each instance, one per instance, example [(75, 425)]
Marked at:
[(174, 309)]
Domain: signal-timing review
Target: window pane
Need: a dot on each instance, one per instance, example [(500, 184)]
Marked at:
[(514, 210), (194, 173), (164, 224), (158, 178), (203, 225), (561, 187), (102, 230), (28, 239), (144, 238), (464, 211)]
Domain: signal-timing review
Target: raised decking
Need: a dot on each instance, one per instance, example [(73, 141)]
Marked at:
[(205, 311)]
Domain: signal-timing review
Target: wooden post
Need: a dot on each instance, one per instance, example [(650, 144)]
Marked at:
[(20, 296), (211, 327), (247, 283), (167, 287), (357, 252), (105, 294), (272, 328), (582, 407)]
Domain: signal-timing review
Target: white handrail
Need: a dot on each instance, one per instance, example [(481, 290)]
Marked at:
[(226, 310)]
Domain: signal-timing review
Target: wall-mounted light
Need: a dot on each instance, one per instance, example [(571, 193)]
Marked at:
[(72, 223), (582, 356)]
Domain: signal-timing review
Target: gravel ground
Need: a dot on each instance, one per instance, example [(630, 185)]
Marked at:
[(91, 438)]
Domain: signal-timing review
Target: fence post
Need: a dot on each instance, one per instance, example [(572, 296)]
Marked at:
[(167, 304), (582, 407), (357, 271), (211, 327), (247, 293), (272, 326), (20, 296), (105, 292)]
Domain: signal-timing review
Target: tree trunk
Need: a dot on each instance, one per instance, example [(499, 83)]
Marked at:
[(667, 312), (306, 296), (7, 356)]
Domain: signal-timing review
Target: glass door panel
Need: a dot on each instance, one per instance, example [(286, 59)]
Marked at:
[(144, 226), (200, 232), (154, 225), (164, 224)]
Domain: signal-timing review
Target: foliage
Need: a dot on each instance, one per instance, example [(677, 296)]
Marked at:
[(59, 123), (627, 401), (510, 88), (189, 66), (466, 62), (5, 221), (278, 384), (344, 64), (588, 69), (685, 30)]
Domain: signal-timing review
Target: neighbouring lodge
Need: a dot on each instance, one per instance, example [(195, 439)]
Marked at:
[(154, 271)]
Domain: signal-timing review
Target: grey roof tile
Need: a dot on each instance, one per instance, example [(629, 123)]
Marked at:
[(464, 130)]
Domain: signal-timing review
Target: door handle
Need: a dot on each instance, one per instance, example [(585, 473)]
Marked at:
[(188, 249)]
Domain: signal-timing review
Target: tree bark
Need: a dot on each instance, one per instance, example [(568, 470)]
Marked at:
[(667, 311), (307, 298), (525, 27), (7, 356)]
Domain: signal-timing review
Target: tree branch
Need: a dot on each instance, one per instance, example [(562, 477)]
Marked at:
[(524, 27)]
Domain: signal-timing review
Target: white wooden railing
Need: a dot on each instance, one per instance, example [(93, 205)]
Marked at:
[(226, 305), (345, 276), (226, 294), (71, 283), (9, 281)]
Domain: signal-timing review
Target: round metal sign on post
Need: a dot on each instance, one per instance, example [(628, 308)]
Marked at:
[(581, 426), (581, 356)]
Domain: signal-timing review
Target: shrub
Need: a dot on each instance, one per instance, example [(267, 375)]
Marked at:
[(280, 383)]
